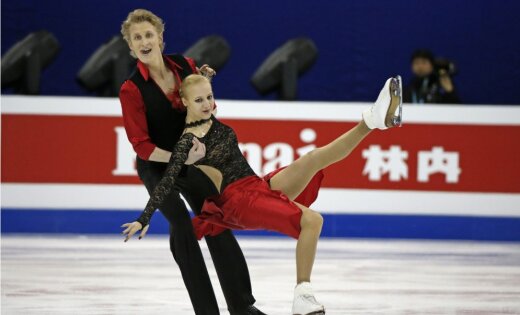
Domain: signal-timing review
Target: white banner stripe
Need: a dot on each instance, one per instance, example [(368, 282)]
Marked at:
[(62, 105), (351, 111), (418, 202), (272, 110), (336, 201)]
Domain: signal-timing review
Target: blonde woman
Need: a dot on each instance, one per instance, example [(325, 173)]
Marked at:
[(154, 119), (246, 201)]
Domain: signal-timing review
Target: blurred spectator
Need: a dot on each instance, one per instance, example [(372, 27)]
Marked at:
[(432, 81)]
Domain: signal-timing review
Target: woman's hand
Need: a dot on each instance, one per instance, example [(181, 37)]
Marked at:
[(197, 152), (132, 228), (206, 71)]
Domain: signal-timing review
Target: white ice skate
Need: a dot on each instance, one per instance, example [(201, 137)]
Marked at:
[(387, 110), (304, 302)]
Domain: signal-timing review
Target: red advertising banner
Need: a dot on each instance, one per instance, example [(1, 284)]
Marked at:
[(419, 156)]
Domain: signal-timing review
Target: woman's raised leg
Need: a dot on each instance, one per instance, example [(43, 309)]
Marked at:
[(382, 115), (294, 178)]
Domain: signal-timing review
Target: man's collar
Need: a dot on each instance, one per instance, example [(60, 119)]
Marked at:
[(143, 69)]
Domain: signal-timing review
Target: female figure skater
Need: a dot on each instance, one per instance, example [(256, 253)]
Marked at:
[(154, 120), (246, 201)]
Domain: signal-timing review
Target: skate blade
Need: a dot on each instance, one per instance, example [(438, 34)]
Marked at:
[(313, 313), (396, 103)]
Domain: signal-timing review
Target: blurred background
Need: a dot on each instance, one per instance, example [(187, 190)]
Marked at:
[(359, 43), (329, 60)]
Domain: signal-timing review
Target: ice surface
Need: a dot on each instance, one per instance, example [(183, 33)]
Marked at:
[(69, 274)]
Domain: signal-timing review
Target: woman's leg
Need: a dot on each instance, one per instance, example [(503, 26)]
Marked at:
[(295, 177), (304, 301), (311, 223), (385, 113)]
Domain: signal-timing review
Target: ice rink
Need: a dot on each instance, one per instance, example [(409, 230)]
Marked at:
[(102, 275)]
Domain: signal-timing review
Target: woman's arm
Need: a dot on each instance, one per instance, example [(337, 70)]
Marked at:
[(197, 151), (165, 186)]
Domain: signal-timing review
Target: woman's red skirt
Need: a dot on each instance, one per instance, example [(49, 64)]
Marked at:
[(250, 204)]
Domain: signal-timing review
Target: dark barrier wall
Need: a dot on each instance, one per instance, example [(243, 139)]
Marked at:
[(360, 42)]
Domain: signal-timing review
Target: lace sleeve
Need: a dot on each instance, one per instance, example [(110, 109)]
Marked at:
[(165, 186)]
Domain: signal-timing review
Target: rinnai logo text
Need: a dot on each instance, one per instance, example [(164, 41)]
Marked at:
[(379, 162)]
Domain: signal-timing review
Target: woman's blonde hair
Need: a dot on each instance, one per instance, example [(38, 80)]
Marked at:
[(190, 80), (139, 16)]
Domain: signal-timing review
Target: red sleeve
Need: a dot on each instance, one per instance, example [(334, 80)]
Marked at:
[(192, 64), (134, 118)]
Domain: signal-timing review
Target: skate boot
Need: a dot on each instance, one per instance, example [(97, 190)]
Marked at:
[(387, 110), (304, 302)]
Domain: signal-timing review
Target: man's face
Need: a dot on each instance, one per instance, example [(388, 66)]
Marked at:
[(145, 42), (422, 67)]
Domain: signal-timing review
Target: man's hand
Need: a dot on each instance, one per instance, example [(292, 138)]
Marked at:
[(197, 152), (132, 228), (206, 71)]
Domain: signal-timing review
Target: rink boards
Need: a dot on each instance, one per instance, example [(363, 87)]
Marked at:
[(451, 172)]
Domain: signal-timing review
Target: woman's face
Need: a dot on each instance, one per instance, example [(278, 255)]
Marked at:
[(145, 42), (199, 101)]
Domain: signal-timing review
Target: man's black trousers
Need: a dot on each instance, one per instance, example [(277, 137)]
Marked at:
[(227, 256)]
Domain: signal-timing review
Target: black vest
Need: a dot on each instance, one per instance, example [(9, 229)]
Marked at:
[(165, 124)]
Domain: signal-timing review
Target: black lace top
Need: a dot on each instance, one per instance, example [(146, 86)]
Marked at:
[(222, 153)]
